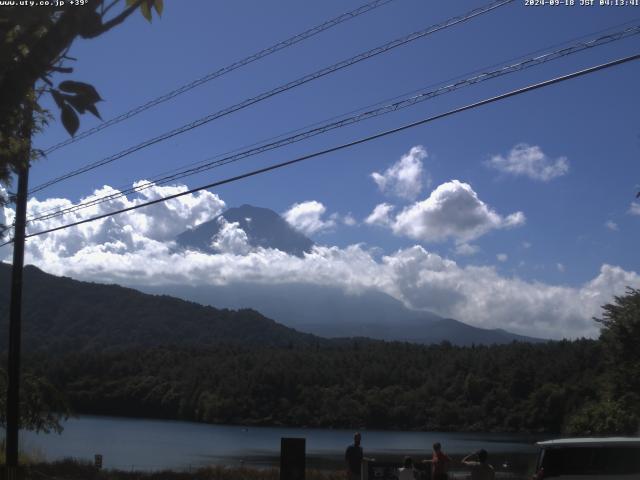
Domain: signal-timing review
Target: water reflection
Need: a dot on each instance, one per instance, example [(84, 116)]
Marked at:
[(140, 444)]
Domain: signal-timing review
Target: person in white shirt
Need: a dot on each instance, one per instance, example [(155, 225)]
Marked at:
[(406, 472)]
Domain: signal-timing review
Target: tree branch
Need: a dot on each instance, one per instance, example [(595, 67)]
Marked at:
[(115, 21), (105, 10)]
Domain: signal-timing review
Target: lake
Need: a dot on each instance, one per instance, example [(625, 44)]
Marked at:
[(142, 444)]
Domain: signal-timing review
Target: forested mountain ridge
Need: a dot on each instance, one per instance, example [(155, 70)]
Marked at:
[(248, 369), (61, 314), (519, 387), (329, 311)]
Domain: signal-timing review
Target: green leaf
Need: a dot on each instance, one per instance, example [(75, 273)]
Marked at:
[(90, 25), (145, 8), (69, 119), (92, 108), (159, 6), (78, 102), (57, 97), (80, 88), (81, 104), (130, 2)]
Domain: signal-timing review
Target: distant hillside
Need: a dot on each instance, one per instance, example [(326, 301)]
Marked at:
[(62, 314), (264, 228), (331, 312), (326, 311)]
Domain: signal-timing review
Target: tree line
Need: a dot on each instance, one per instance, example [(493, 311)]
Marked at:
[(572, 387), (518, 387)]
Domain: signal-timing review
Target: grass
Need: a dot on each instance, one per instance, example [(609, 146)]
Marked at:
[(24, 457), (72, 469)]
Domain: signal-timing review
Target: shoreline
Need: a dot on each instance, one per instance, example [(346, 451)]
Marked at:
[(258, 424), (73, 469), (524, 434), (143, 444)]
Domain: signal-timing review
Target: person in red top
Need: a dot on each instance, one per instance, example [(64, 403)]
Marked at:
[(439, 463)]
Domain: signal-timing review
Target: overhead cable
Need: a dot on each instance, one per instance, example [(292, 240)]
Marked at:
[(343, 146), (222, 71), (270, 93), (281, 141)]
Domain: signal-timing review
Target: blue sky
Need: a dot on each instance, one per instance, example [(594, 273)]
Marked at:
[(574, 220)]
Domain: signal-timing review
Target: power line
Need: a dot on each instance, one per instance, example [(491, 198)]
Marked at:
[(300, 135), (282, 88), (343, 146), (223, 71)]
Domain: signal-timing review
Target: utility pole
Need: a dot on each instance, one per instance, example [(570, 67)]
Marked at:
[(15, 310)]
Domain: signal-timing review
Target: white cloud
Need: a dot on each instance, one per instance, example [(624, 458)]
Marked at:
[(502, 257), (526, 245), (3, 216), (230, 238), (530, 161), (453, 210), (611, 225), (159, 223), (634, 209), (307, 217), (349, 220), (346, 219), (561, 268), (133, 250), (380, 215), (404, 178), (466, 249)]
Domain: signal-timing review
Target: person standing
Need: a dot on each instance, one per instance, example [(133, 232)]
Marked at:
[(406, 472), (480, 469), (439, 463), (354, 456)]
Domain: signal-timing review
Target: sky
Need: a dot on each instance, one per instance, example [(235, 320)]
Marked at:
[(519, 215)]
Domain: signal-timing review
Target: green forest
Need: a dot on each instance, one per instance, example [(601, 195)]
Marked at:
[(572, 387), (517, 387), (241, 368)]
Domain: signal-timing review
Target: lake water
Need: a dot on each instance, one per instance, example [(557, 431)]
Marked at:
[(127, 443)]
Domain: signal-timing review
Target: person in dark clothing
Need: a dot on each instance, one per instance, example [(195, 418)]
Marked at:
[(354, 456)]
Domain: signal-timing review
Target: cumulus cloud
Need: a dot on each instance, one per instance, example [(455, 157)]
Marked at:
[(380, 215), (307, 217), (161, 222), (230, 238), (134, 251), (634, 209), (502, 257), (530, 161), (453, 210), (404, 178)]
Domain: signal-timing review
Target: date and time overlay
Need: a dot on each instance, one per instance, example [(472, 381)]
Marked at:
[(527, 3)]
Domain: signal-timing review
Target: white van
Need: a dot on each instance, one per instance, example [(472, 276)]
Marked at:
[(589, 458)]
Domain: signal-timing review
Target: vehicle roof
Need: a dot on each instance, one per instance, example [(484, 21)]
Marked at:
[(590, 441)]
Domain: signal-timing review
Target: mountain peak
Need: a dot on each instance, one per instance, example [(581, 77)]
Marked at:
[(264, 228)]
